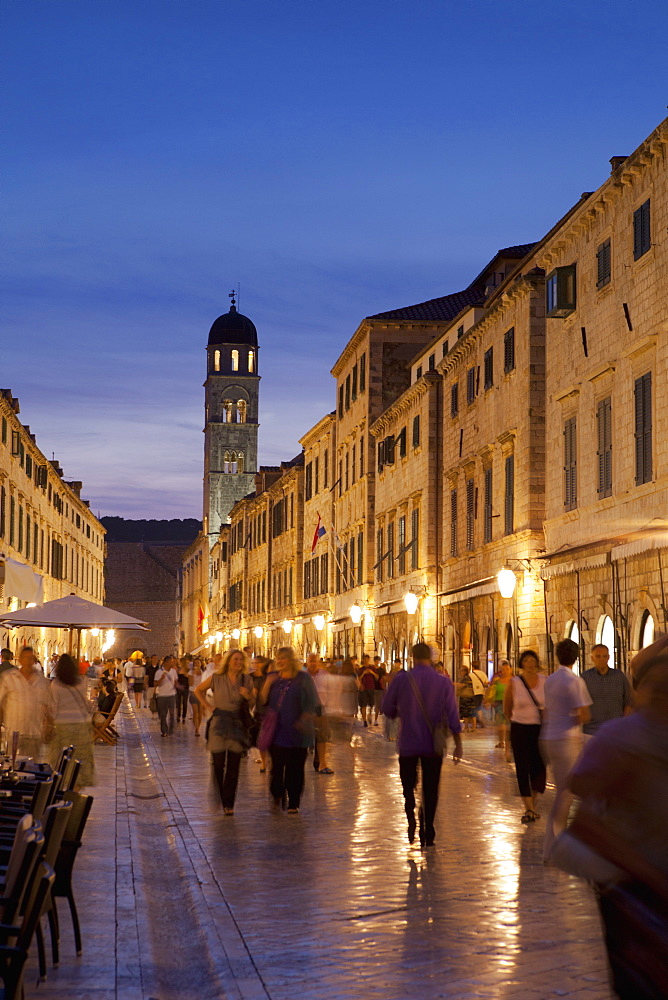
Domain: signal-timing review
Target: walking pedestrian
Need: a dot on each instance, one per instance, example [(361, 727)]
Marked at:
[(227, 729), (608, 688), (497, 692), (165, 695), (467, 703), (523, 705), (149, 689), (70, 711), (366, 682), (24, 697), (182, 686), (323, 736), (261, 666), (138, 680), (291, 694), (425, 702), (195, 678), (480, 683), (567, 704)]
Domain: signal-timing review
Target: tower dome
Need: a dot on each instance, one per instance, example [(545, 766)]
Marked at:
[(233, 328)]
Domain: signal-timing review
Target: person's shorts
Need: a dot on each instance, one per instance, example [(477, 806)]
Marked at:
[(499, 717), (193, 699), (365, 699), (467, 708), (478, 700)]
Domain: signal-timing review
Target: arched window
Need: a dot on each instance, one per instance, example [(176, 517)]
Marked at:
[(240, 461), (226, 462), (233, 462), (227, 411), (251, 361), (216, 361), (647, 629), (605, 634), (235, 361), (241, 411), (573, 632)]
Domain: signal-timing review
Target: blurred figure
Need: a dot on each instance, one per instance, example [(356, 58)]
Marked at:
[(323, 686), (467, 702), (609, 690), (567, 704), (523, 704), (6, 657), (500, 682), (622, 781), (71, 712), (24, 696)]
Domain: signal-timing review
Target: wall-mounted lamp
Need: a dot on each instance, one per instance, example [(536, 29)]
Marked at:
[(258, 631), (411, 602), (287, 626), (236, 633), (355, 614), (506, 580), (319, 622)]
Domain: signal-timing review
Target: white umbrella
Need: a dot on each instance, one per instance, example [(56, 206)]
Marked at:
[(73, 613)]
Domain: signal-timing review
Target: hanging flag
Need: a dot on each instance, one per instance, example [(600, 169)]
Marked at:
[(200, 619), (319, 532)]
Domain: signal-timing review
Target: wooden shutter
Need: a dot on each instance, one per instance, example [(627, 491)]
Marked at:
[(390, 550), (603, 263), (307, 580), (360, 558), (643, 428), (453, 522), (415, 543), (641, 230), (509, 497), (509, 350), (488, 506), (454, 400), (604, 453), (469, 514), (570, 464), (489, 368), (416, 431)]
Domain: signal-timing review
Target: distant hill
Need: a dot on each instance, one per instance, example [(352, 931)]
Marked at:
[(178, 530)]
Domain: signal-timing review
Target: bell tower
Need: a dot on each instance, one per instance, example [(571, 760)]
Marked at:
[(231, 425)]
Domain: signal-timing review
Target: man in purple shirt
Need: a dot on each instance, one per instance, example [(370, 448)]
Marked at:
[(423, 700)]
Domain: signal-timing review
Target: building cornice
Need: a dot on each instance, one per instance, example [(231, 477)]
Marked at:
[(316, 432), (404, 402)]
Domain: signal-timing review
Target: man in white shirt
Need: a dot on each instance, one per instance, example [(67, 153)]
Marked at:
[(567, 704), (24, 698), (165, 695), (479, 680)]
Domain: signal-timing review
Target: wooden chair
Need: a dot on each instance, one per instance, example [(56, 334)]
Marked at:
[(71, 842), (105, 732), (15, 940)]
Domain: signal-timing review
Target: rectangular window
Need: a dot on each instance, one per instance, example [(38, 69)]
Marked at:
[(3, 515), (12, 520), (509, 350), (4, 430), (347, 479), (460, 332), (28, 536), (354, 385), (316, 476), (445, 347), (570, 464), (509, 496), (416, 431), (487, 511), (353, 464), (470, 496), (453, 522), (454, 399), (489, 368), (340, 401), (432, 362), (308, 481), (604, 433), (415, 541), (351, 563), (362, 364), (418, 372), (401, 442), (35, 543), (361, 457), (643, 428), (379, 555), (325, 469), (470, 385), (401, 554), (340, 476), (360, 559), (390, 550), (324, 575), (560, 292), (603, 265), (307, 580), (347, 392), (641, 231)]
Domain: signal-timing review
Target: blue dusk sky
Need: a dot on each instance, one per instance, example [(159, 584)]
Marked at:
[(332, 159)]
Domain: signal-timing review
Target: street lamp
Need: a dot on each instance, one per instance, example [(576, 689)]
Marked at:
[(506, 580), (319, 622), (257, 631), (411, 602), (287, 626), (355, 614), (236, 633)]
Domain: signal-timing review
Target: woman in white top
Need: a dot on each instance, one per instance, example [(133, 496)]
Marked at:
[(523, 705), (71, 713)]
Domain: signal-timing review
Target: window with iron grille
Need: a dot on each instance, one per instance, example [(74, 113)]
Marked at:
[(641, 230), (487, 511), (509, 496), (453, 522), (643, 428), (454, 399), (604, 453), (570, 464), (469, 515), (415, 540), (603, 265), (489, 368), (470, 385), (416, 431), (401, 555), (509, 350)]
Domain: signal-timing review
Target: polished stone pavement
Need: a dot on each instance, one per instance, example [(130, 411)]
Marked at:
[(178, 901)]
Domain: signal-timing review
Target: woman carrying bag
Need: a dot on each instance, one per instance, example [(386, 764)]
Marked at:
[(227, 729)]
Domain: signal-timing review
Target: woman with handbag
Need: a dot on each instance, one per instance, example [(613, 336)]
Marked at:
[(523, 705), (227, 729), (292, 703), (70, 714)]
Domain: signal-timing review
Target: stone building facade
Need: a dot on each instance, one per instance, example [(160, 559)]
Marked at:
[(45, 523), (514, 425)]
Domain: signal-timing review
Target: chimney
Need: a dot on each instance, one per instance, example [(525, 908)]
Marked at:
[(616, 162)]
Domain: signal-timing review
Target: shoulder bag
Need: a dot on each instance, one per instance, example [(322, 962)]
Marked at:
[(439, 733), (534, 699)]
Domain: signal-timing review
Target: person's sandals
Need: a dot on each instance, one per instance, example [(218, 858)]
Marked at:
[(292, 812), (325, 770), (529, 817)]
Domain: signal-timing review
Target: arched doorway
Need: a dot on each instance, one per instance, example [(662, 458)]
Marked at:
[(606, 634), (647, 630), (573, 633)]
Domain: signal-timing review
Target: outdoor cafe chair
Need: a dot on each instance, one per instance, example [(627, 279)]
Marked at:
[(71, 842), (15, 940), (55, 824), (27, 852), (105, 732)]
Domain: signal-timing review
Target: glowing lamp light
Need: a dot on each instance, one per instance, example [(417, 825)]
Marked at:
[(319, 622), (218, 637), (287, 626), (95, 632), (411, 602), (257, 631), (356, 614), (205, 626), (31, 605), (236, 633), (506, 580)]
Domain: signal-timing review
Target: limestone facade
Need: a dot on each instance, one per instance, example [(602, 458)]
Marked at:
[(45, 523)]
